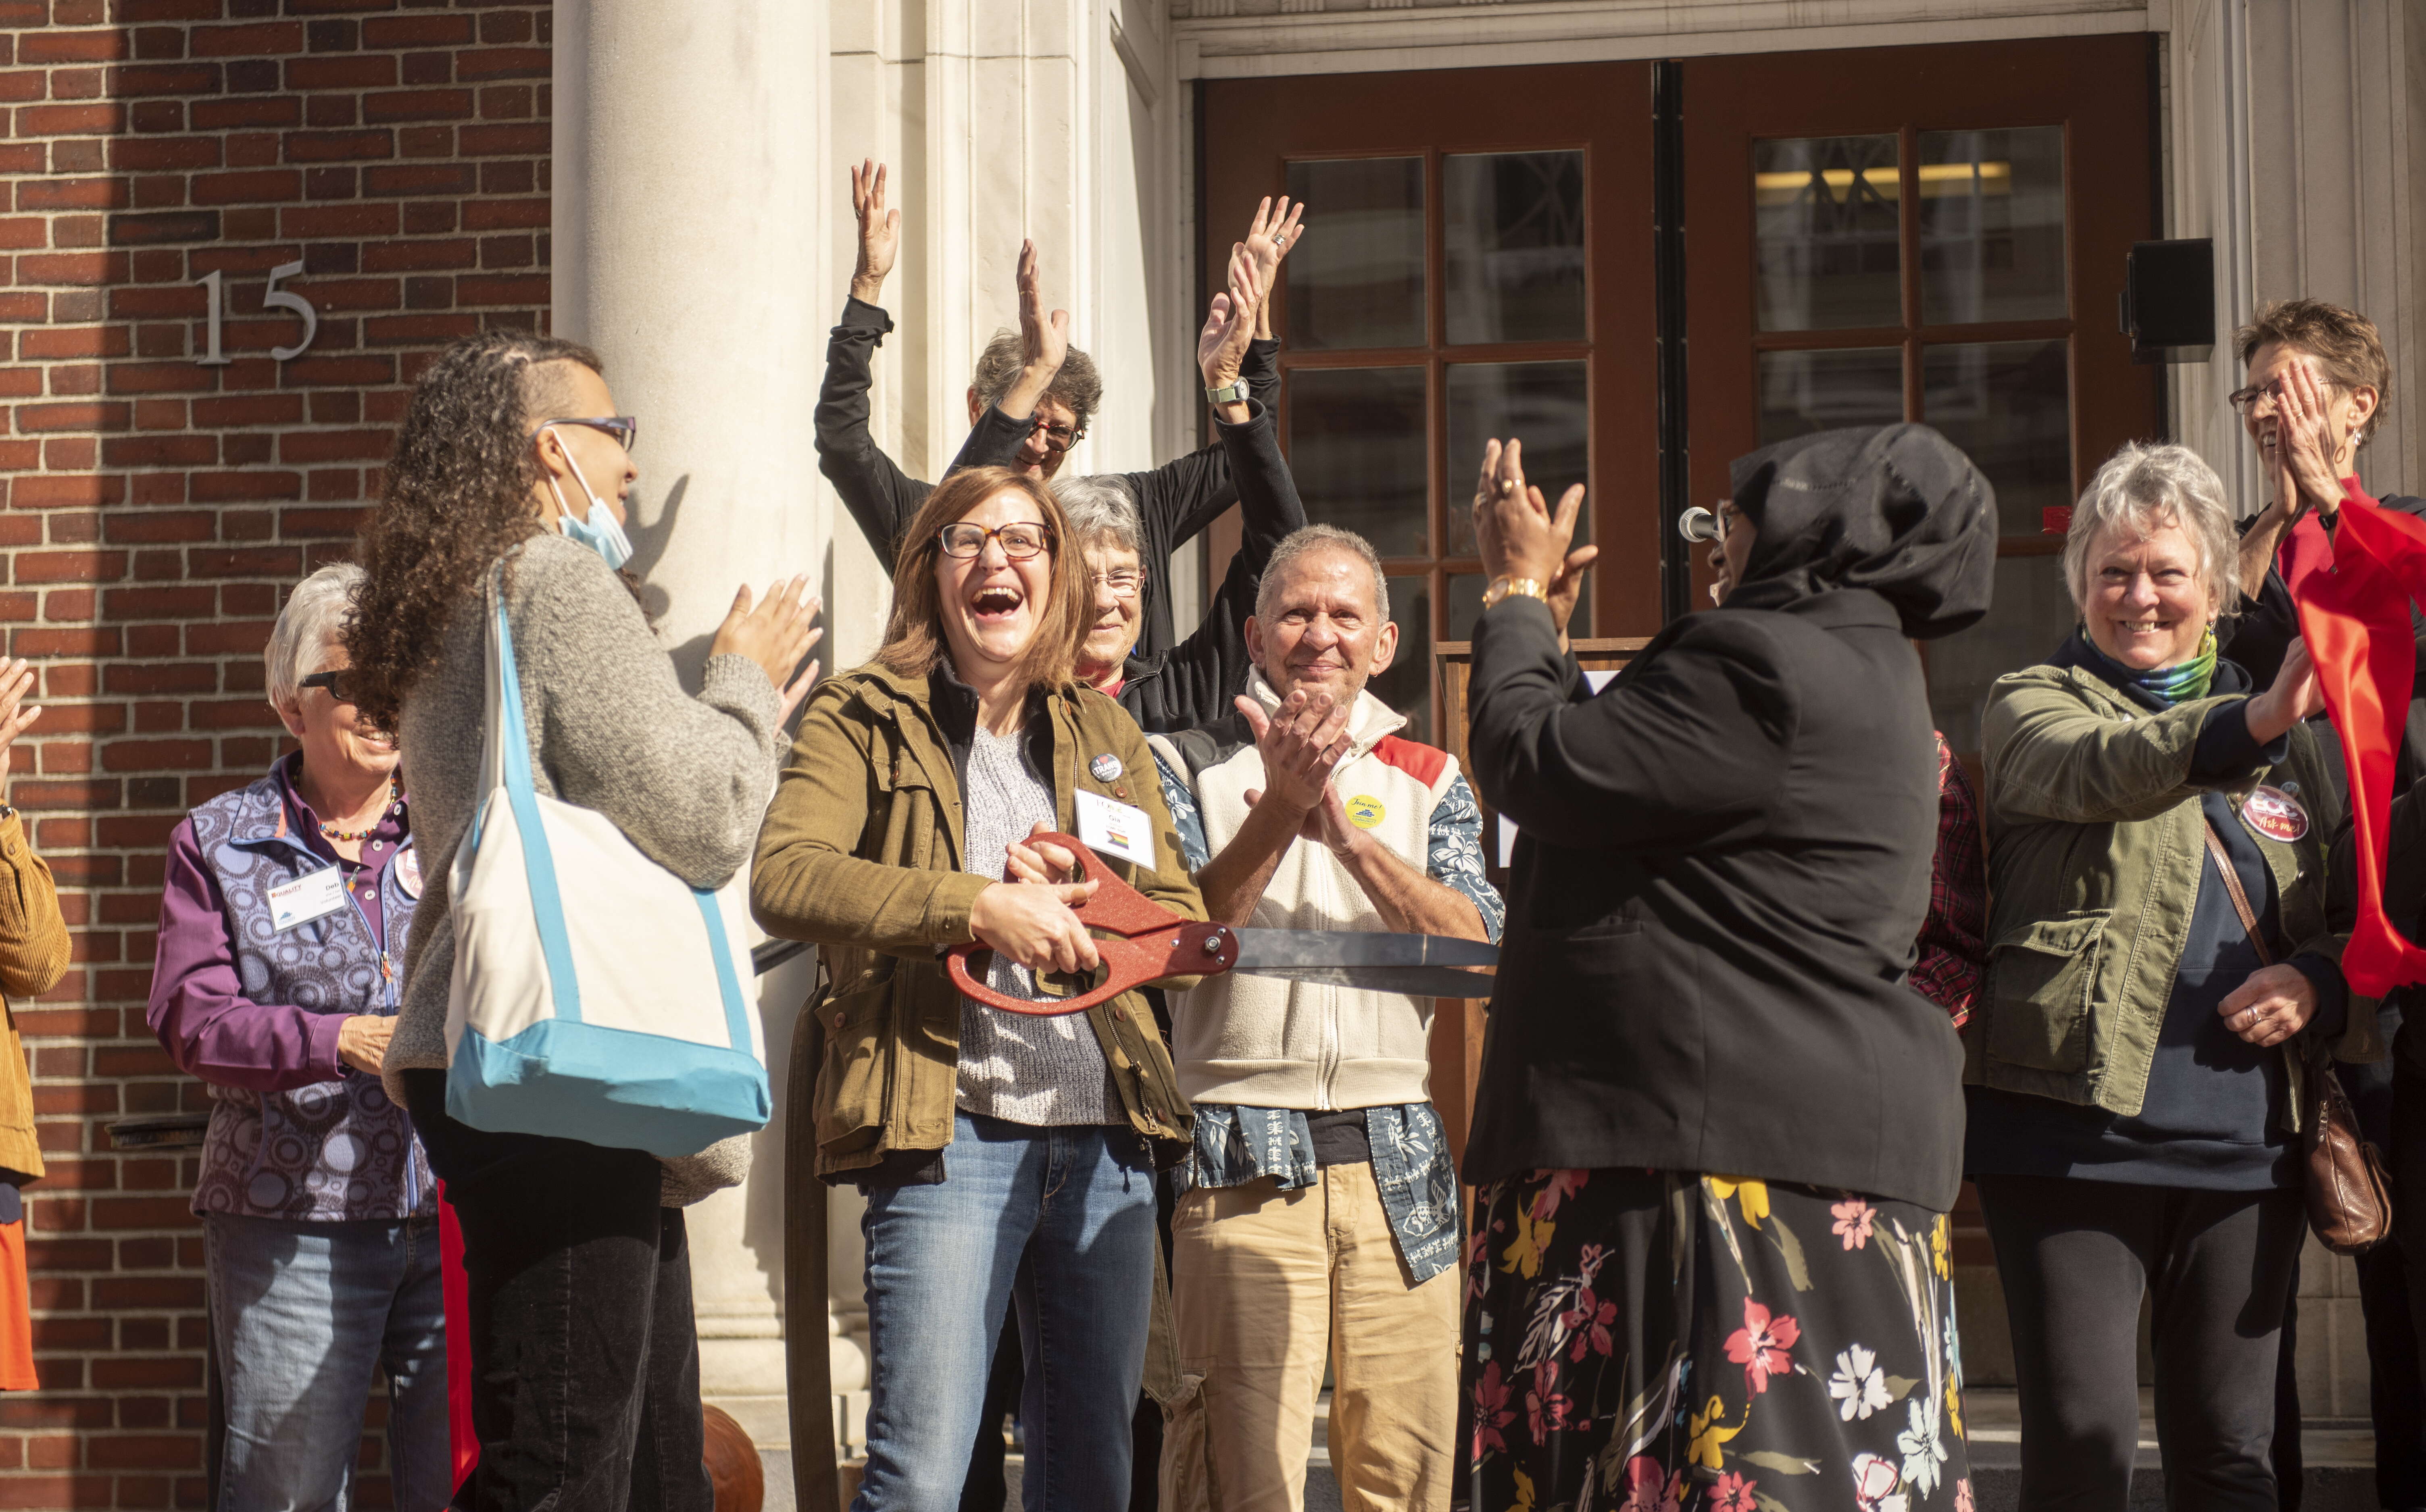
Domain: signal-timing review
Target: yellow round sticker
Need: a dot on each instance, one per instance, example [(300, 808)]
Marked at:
[(1364, 813)]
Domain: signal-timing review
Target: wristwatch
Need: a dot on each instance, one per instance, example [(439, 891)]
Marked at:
[(1233, 391), (1503, 586)]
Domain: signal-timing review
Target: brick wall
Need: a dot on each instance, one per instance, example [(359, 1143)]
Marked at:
[(155, 511)]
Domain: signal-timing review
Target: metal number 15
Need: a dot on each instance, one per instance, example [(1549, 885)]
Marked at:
[(273, 298)]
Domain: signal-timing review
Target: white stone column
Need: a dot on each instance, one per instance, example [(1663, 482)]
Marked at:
[(689, 187)]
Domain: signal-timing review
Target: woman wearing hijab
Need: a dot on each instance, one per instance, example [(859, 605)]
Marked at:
[(1716, 1135), (2137, 1059)]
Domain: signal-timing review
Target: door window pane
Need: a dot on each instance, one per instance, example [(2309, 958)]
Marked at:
[(1545, 405), (1513, 226), (2007, 404), (2029, 617), (1356, 445), (1992, 225), (1825, 242), (1358, 282), (1407, 686), (1803, 392), (1465, 603)]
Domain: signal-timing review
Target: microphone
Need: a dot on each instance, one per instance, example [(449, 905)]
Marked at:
[(1698, 524)]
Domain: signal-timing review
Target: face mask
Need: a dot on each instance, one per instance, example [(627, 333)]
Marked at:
[(601, 532)]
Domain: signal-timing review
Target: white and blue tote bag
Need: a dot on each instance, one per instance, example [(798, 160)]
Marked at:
[(596, 996)]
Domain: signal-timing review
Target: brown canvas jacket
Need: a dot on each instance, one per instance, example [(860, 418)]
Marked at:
[(33, 956), (861, 855)]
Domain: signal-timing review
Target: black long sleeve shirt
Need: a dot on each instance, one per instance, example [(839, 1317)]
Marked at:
[(1174, 502)]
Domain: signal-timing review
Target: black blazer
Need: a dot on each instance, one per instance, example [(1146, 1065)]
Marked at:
[(1724, 861)]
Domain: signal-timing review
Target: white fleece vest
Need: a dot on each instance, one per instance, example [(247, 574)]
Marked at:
[(1260, 1041)]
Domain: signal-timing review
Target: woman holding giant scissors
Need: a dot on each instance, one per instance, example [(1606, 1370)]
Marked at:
[(913, 779)]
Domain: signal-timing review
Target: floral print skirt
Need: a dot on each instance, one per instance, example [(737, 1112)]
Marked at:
[(1663, 1342)]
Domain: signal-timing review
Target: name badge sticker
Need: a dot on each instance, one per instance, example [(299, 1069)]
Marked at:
[(313, 895), (1115, 828)]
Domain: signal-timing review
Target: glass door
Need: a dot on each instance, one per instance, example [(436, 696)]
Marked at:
[(1932, 233), (1465, 275)]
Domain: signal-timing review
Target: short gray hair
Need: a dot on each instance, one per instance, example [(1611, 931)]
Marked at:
[(1077, 385), (2140, 489), (1100, 509), (307, 627), (1322, 538)]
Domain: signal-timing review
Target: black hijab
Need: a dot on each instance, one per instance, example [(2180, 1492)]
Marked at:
[(1895, 509)]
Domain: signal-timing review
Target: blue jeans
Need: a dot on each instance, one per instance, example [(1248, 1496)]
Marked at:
[(1060, 1221), (304, 1316)]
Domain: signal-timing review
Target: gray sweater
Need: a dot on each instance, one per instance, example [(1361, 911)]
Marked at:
[(687, 779)]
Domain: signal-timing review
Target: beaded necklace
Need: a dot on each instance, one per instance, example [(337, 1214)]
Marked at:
[(395, 800)]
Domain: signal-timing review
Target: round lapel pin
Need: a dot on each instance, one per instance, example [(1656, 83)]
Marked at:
[(2275, 814), (1106, 767)]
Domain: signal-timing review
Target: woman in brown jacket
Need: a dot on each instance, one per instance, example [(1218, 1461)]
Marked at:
[(33, 956), (1009, 1160)]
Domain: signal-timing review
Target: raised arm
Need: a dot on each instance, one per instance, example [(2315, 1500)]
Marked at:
[(2047, 757), (881, 497)]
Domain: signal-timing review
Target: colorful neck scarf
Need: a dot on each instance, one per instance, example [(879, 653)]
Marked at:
[(2167, 685)]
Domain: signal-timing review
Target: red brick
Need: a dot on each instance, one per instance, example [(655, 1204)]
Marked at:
[(248, 187), (263, 38), (55, 46)]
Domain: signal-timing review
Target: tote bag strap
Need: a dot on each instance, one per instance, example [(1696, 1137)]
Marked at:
[(505, 761)]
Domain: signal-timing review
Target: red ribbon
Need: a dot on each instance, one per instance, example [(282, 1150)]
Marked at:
[(457, 1289), (2354, 590)]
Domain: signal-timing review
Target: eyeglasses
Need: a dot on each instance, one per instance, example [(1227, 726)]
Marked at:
[(339, 684), (1019, 541), (625, 429), (1123, 582), (1057, 438), (2240, 399)]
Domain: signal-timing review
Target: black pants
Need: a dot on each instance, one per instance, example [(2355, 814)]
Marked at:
[(585, 1360), (2392, 1281), (2075, 1257)]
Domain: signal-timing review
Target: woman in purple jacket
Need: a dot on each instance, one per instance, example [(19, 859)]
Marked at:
[(283, 927)]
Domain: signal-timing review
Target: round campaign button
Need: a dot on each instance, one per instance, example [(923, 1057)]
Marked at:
[(1363, 811), (2275, 814), (1106, 766)]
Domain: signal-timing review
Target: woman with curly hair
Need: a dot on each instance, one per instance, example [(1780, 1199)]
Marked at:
[(491, 497)]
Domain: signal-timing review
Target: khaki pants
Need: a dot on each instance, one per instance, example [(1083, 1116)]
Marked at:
[(1265, 1285)]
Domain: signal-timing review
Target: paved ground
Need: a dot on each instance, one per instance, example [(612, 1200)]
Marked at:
[(2340, 1464)]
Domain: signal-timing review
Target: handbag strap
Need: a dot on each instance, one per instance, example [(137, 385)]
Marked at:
[(2232, 886)]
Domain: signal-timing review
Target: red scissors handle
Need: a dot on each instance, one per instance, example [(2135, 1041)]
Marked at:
[(1138, 939)]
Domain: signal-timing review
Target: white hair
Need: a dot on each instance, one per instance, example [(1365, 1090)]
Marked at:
[(1099, 510), (2140, 490), (1317, 537), (307, 627)]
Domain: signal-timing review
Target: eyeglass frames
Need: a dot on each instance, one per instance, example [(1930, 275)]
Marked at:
[(1019, 541), (625, 429), (339, 684)]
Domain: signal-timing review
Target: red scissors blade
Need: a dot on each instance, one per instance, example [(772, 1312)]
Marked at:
[(1138, 939)]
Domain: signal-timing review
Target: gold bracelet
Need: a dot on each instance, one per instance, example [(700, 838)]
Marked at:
[(1503, 586)]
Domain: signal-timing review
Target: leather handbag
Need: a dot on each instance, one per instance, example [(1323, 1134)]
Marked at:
[(2350, 1202), (595, 995)]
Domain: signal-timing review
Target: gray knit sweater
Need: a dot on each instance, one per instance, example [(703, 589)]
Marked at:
[(687, 779)]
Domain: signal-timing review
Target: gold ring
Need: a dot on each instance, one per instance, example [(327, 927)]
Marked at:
[(1507, 485)]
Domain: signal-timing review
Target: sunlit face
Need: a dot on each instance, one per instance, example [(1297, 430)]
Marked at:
[(1326, 634), (2147, 607), (1117, 604), (1036, 457), (332, 733), (990, 604), (2346, 409), (572, 454)]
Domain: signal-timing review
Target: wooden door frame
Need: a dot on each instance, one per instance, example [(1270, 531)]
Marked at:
[(2096, 88), (1250, 129)]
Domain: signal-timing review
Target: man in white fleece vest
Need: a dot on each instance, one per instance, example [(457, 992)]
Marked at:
[(1319, 1217)]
